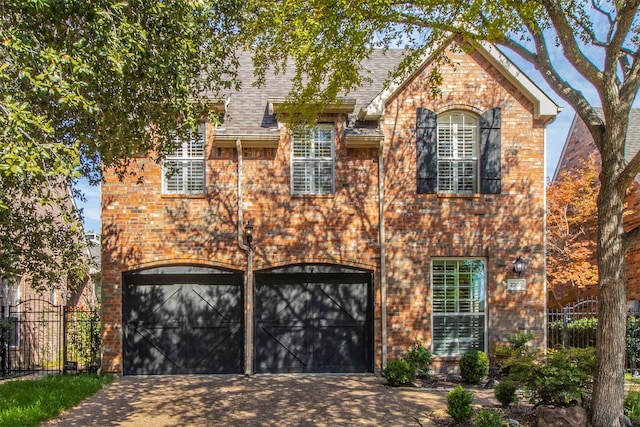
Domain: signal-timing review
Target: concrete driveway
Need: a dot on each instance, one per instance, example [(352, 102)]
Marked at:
[(264, 400)]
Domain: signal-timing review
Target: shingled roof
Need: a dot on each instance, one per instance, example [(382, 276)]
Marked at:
[(249, 111), (632, 144), (633, 135)]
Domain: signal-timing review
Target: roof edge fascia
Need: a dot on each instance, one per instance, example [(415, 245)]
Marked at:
[(564, 148), (247, 140), (374, 111), (215, 104), (544, 108), (340, 106)]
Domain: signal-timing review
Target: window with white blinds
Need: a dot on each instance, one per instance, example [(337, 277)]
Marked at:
[(457, 153), (183, 171), (458, 306), (312, 160)]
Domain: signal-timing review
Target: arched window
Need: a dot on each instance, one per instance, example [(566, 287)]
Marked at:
[(457, 153)]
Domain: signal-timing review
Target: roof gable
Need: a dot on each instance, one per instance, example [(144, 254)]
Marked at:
[(544, 108)]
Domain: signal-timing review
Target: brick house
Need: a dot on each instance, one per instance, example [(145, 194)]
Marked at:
[(397, 218), (579, 146)]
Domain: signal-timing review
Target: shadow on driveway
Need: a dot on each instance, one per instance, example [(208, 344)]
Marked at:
[(264, 400)]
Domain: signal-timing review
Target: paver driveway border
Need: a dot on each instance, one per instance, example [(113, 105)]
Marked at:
[(262, 400)]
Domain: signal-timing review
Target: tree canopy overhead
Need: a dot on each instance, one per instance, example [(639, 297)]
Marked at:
[(86, 85), (597, 40)]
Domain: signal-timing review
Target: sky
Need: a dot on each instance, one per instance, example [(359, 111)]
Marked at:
[(556, 135)]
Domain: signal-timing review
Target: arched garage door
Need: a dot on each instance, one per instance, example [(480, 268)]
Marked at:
[(313, 318), (182, 320)]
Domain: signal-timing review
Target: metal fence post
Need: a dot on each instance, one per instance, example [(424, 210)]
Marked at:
[(4, 344), (64, 340), (565, 327)]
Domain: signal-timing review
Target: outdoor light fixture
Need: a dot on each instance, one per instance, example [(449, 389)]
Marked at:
[(518, 266), (248, 233)]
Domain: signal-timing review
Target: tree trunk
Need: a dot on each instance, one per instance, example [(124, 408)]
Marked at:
[(608, 392)]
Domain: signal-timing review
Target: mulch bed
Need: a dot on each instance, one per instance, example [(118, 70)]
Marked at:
[(523, 412)]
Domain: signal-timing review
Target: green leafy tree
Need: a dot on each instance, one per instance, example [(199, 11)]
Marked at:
[(91, 84), (326, 41)]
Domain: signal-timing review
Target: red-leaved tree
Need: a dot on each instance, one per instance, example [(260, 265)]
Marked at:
[(572, 268)]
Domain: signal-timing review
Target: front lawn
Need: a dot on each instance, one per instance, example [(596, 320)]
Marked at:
[(30, 402)]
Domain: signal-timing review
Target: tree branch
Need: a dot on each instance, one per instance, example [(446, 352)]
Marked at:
[(629, 88), (566, 35), (542, 61), (614, 53)]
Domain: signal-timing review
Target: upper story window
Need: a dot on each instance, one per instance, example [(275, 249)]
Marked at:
[(457, 153), (312, 160), (183, 171)]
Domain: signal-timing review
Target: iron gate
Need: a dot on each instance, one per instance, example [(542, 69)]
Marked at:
[(39, 337)]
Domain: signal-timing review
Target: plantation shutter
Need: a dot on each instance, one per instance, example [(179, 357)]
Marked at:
[(427, 158), (490, 168), (184, 169)]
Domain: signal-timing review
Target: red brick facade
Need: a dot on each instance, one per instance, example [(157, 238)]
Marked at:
[(143, 227)]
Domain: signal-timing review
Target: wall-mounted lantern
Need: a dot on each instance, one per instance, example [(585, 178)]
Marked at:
[(518, 266), (248, 233)]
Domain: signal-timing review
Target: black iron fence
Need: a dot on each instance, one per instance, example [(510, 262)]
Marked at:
[(39, 337), (576, 325)]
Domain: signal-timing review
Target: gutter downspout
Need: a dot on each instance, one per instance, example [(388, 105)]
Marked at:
[(248, 277), (545, 334), (383, 254)]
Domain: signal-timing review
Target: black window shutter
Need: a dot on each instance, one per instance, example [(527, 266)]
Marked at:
[(427, 157), (490, 168)]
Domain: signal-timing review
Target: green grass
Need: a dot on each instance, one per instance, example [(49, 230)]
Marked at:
[(631, 378), (30, 402)]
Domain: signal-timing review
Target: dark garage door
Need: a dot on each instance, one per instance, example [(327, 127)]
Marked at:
[(182, 320), (313, 319)]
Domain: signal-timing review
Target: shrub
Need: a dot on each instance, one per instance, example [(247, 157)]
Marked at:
[(563, 378), (419, 357), (459, 404), (488, 418), (519, 341), (474, 366), (632, 406), (633, 339), (505, 392), (399, 372)]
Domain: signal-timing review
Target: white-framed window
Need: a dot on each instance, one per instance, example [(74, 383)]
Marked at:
[(457, 153), (183, 171), (312, 160), (11, 297), (458, 295)]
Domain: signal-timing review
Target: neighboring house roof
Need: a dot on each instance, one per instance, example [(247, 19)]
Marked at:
[(249, 112), (633, 134), (632, 143)]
